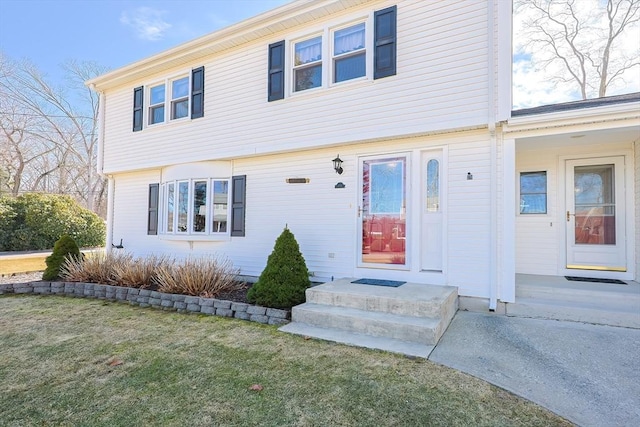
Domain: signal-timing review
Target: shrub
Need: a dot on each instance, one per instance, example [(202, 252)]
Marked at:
[(35, 221), (284, 280), (64, 248), (139, 273), (206, 277), (97, 267)]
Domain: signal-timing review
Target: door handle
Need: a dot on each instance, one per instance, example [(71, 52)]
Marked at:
[(569, 216)]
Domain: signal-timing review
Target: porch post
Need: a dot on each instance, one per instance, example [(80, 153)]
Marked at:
[(507, 277)]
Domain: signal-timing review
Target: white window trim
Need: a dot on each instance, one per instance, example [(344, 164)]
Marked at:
[(327, 33), (168, 100), (190, 235), (519, 191)]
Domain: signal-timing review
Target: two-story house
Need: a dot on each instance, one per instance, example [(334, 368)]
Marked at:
[(380, 133)]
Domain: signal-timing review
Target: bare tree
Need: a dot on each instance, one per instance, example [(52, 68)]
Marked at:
[(48, 134), (580, 42)]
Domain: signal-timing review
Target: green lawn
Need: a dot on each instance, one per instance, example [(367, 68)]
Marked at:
[(66, 361)]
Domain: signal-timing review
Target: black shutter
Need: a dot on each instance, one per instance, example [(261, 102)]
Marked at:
[(276, 71), (137, 108), (197, 92), (152, 223), (384, 30), (238, 202)]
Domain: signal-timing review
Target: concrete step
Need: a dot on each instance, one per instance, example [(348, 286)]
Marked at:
[(596, 311), (423, 330), (360, 340), (410, 299)]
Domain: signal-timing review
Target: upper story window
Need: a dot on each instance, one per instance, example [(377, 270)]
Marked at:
[(349, 53), (361, 50), (156, 105), (307, 64), (173, 99)]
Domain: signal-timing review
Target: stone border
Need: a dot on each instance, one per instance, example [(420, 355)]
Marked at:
[(146, 298)]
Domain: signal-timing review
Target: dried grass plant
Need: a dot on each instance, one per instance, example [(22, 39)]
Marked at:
[(203, 276), (140, 272), (97, 268)]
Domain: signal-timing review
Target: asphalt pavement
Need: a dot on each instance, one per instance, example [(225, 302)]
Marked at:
[(588, 374)]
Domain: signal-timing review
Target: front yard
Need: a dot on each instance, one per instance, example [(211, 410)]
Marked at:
[(67, 361)]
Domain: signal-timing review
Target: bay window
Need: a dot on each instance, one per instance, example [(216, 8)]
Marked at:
[(195, 207)]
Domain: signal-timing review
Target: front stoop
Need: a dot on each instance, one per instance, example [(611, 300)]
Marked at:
[(597, 303), (409, 319)]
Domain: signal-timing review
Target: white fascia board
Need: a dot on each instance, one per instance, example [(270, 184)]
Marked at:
[(263, 25), (627, 112)]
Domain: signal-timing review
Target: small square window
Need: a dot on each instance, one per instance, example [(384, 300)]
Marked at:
[(533, 192)]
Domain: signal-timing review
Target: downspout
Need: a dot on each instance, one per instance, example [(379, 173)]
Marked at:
[(493, 181), (100, 168)]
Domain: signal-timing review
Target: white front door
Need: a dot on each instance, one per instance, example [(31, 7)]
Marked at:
[(431, 212), (595, 214)]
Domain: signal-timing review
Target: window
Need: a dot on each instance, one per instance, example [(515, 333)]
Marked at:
[(533, 192), (180, 98), (307, 63), (349, 53), (334, 55), (433, 186), (201, 207), (156, 105)]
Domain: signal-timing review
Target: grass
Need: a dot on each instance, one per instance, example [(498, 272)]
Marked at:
[(66, 361)]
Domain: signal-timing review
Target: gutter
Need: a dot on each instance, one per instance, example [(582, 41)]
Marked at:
[(493, 180), (100, 166)]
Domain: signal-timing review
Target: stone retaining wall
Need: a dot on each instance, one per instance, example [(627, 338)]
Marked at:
[(153, 299)]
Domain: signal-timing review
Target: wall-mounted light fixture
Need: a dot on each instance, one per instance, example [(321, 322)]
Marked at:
[(337, 165), (469, 176)]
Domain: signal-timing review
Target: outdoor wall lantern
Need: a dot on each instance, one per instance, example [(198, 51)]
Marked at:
[(337, 165)]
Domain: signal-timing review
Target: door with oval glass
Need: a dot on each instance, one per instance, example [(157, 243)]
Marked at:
[(595, 214)]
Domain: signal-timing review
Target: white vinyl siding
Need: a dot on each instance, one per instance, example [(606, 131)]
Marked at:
[(441, 84)]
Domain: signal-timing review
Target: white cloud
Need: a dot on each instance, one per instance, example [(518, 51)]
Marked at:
[(148, 23)]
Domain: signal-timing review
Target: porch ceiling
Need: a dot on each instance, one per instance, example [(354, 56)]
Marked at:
[(575, 136)]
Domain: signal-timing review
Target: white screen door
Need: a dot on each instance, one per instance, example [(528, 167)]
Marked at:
[(595, 214)]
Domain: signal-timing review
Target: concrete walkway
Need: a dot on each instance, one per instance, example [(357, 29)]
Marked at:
[(589, 374)]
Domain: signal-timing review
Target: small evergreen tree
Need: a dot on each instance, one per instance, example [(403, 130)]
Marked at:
[(284, 280), (64, 247)]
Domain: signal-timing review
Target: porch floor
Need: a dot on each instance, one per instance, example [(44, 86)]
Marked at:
[(554, 297)]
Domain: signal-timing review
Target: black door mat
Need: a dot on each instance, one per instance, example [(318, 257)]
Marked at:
[(595, 280), (379, 282)]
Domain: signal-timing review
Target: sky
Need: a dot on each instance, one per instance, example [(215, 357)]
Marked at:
[(115, 33)]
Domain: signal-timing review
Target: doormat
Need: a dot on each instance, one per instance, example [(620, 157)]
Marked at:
[(595, 280), (379, 282)]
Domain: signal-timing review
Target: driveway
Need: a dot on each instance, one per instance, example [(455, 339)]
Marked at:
[(589, 374)]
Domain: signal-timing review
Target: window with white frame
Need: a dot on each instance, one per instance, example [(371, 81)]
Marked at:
[(533, 192), (195, 207), (172, 99), (362, 49), (307, 64), (156, 104), (349, 53)]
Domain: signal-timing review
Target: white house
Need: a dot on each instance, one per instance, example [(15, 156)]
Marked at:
[(216, 145)]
